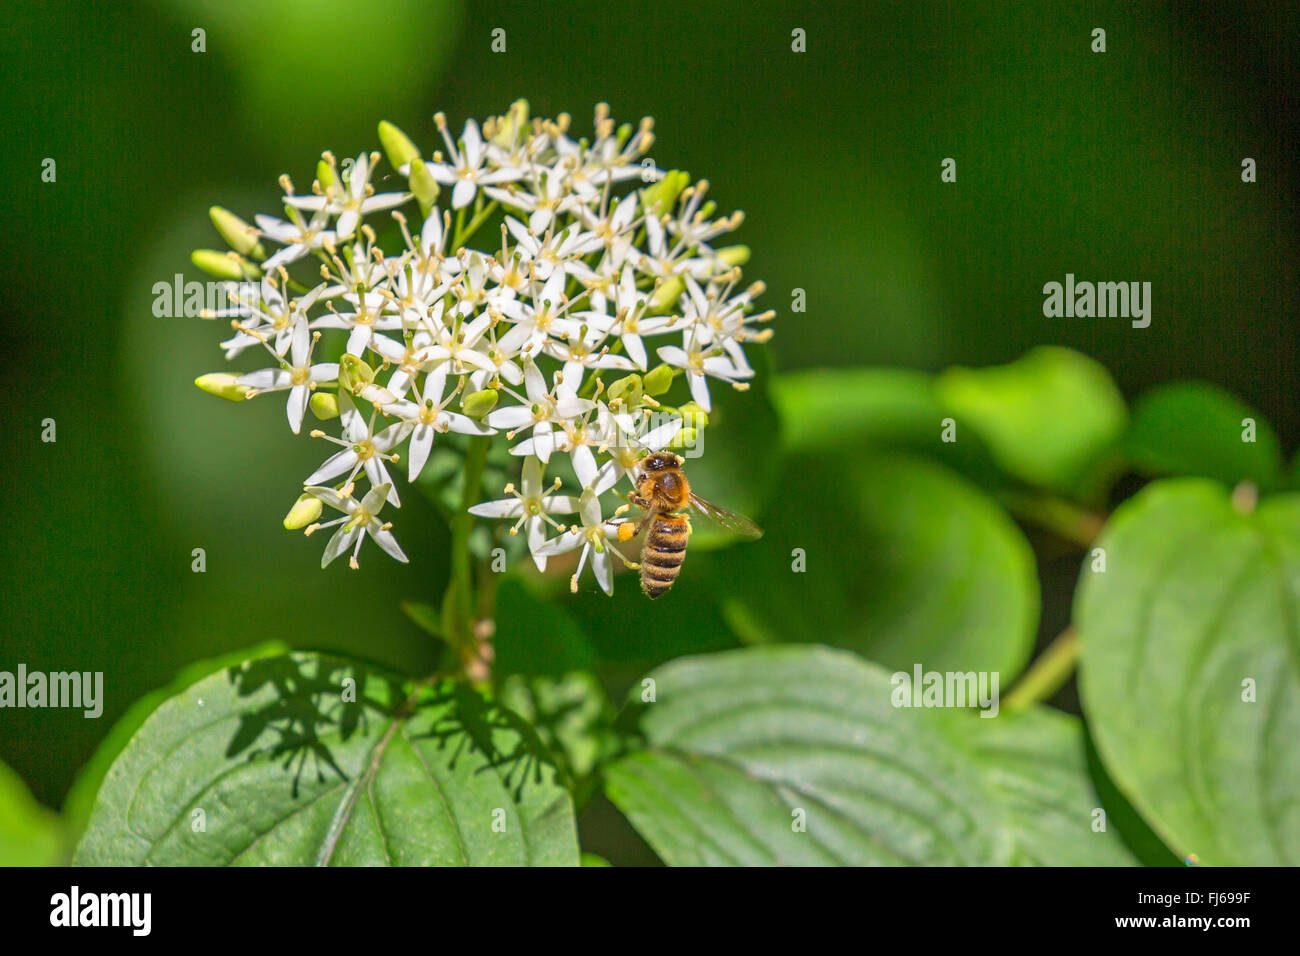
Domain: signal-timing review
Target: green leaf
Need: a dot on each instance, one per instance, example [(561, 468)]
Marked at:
[(571, 714), (30, 834), (744, 745), (288, 769), (1051, 417), (1196, 599), (905, 562), (424, 616), (80, 800), (837, 410), (1036, 762), (1195, 428)]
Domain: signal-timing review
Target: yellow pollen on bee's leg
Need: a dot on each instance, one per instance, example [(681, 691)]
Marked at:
[(626, 531)]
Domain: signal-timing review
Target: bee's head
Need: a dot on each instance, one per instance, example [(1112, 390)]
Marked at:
[(660, 461)]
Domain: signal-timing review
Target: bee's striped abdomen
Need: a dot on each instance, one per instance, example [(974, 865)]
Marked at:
[(663, 554)]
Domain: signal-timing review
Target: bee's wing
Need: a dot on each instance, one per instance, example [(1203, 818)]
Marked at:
[(733, 522)]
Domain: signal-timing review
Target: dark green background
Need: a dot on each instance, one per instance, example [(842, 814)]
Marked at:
[(1122, 166)]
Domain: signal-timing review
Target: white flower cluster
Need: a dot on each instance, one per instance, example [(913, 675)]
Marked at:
[(439, 337)]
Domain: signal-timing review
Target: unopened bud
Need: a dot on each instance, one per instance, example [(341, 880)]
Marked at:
[(629, 389), (658, 380), (478, 404), (734, 255), (238, 234), (683, 439), (661, 196), (223, 385), (665, 297), (354, 374), (694, 416), (324, 405), (397, 145), (325, 174), (224, 265), (304, 511), (423, 185), (516, 117)]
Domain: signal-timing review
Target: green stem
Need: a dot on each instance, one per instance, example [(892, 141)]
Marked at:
[(464, 232), (458, 611), (1069, 521), (1047, 674)]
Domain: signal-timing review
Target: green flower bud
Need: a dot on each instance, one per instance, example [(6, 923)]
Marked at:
[(354, 374), (694, 416), (658, 380), (684, 439), (304, 511), (665, 192), (629, 389), (224, 265), (325, 174), (238, 234), (397, 145), (324, 405), (516, 117), (478, 404), (665, 298), (734, 255), (423, 185), (222, 385)]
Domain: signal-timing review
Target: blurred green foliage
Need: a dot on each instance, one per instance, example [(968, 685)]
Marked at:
[(1119, 166)]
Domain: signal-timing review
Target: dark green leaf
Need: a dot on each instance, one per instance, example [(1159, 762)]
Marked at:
[(81, 797), (744, 746), (1190, 676), (1195, 428), (30, 834), (289, 768), (1050, 418), (905, 562), (846, 410)]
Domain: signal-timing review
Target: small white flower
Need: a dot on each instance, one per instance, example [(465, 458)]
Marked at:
[(298, 375), (349, 204), (430, 416), (297, 237), (700, 361), (360, 518), (465, 173), (594, 537), (542, 409), (533, 508), (364, 448)]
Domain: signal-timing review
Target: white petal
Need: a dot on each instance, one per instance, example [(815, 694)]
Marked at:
[(297, 407), (462, 194), (339, 543), (334, 466), (584, 465), (700, 390), (561, 543), (421, 445), (386, 541), (603, 565), (500, 508)]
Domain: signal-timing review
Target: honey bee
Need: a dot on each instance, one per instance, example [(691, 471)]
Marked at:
[(663, 493)]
